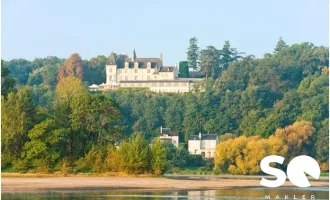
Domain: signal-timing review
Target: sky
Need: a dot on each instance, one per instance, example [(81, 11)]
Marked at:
[(40, 28)]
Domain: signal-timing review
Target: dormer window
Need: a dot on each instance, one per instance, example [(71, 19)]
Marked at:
[(126, 64), (136, 64), (149, 65)]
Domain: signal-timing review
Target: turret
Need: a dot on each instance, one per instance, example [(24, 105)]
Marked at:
[(133, 55)]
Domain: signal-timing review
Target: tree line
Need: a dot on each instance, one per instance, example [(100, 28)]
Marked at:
[(50, 121)]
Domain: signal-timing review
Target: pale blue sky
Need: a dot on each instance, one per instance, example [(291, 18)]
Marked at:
[(40, 28)]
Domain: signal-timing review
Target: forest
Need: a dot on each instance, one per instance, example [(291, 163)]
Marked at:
[(275, 104)]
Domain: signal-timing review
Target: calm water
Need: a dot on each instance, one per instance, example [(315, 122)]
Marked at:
[(232, 194)]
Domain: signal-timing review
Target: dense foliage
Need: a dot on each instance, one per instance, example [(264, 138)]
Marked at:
[(51, 122)]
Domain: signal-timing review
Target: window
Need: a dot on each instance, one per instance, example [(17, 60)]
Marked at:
[(135, 77), (125, 70), (110, 78), (120, 78), (126, 78), (148, 70), (148, 78), (110, 70), (136, 70), (120, 70)]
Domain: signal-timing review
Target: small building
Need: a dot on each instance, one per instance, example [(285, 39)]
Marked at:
[(93, 87), (203, 144), (166, 135)]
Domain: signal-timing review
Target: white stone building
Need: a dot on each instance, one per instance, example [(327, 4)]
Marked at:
[(145, 73), (168, 136), (203, 144)]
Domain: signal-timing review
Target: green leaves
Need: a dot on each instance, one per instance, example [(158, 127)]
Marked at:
[(136, 155), (193, 53), (43, 148)]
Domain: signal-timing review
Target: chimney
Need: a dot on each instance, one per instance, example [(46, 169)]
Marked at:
[(200, 136), (161, 56)]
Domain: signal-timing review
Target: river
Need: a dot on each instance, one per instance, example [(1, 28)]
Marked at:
[(230, 194)]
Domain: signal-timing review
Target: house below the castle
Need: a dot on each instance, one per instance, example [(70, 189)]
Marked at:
[(203, 144), (166, 135), (146, 73)]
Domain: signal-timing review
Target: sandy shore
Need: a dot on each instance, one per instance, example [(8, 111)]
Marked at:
[(37, 184)]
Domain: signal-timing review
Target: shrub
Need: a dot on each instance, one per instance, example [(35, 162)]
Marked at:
[(158, 160), (20, 166), (65, 165)]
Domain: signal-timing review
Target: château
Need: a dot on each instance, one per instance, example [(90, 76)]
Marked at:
[(147, 73)]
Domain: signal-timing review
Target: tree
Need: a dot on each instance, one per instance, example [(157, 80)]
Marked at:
[(7, 83), (95, 159), (243, 155), (136, 155), (20, 70), (97, 116), (174, 114), (209, 62), (181, 158), (50, 75), (249, 122), (94, 70), (18, 117), (228, 55), (72, 67), (322, 142), (237, 76), (158, 160), (191, 120), (38, 63), (193, 53), (226, 137), (296, 137), (280, 45), (70, 87), (44, 147)]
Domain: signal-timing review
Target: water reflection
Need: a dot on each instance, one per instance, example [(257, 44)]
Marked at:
[(232, 194)]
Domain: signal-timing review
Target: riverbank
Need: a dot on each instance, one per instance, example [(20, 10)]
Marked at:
[(43, 184)]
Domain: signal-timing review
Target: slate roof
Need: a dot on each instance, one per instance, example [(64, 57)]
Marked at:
[(166, 69), (170, 133), (204, 137), (155, 62)]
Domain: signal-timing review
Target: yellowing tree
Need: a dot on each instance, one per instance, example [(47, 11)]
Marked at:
[(296, 138), (70, 87), (243, 155)]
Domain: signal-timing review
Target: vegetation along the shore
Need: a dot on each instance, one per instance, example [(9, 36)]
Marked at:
[(277, 104)]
